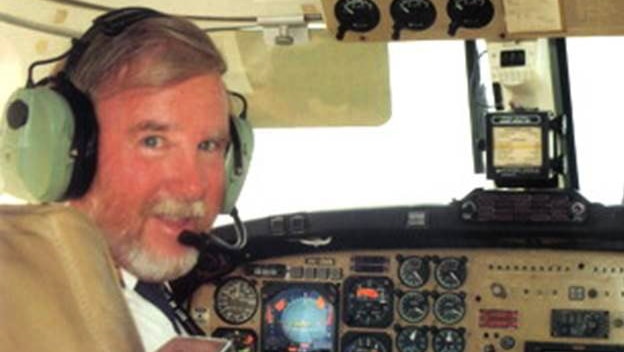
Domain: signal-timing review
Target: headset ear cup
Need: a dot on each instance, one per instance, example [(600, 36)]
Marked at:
[(49, 141), (35, 145), (237, 161)]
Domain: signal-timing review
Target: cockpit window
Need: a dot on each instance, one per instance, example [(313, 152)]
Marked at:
[(596, 74), (422, 155)]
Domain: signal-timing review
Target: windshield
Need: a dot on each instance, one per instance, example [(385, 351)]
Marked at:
[(423, 155)]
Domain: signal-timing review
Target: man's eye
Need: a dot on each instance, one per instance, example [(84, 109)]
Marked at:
[(152, 141), (208, 146)]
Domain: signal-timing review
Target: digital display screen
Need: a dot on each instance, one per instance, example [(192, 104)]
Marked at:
[(512, 58), (299, 319), (517, 146)]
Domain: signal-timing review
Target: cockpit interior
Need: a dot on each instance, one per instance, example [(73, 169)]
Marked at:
[(428, 175)]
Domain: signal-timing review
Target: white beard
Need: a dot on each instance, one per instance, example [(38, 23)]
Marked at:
[(152, 268)]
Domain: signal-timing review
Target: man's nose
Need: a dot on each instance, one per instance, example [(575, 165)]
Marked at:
[(188, 180)]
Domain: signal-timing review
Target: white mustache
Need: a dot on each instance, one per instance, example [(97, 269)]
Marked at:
[(175, 209)]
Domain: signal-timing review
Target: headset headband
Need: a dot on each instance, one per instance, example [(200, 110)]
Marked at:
[(111, 24)]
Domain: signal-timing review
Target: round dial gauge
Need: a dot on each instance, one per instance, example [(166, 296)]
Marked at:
[(368, 343), (412, 339), (236, 301), (449, 308), (413, 306), (369, 301), (356, 15), (448, 340), (414, 271), (451, 273), (413, 14), (469, 14)]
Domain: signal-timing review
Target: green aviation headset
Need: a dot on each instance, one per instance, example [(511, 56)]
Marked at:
[(48, 136)]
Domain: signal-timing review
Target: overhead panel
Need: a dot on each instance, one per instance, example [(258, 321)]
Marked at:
[(388, 20)]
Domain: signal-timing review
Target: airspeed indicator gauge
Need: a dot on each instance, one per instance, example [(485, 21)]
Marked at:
[(236, 300)]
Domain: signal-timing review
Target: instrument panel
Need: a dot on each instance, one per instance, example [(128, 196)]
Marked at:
[(420, 300)]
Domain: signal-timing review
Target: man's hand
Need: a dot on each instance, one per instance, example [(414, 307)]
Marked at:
[(196, 344)]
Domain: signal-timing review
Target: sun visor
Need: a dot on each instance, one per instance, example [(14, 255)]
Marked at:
[(319, 83)]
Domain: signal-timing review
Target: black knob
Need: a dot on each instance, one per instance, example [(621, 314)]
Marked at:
[(469, 14), (356, 15), (507, 342)]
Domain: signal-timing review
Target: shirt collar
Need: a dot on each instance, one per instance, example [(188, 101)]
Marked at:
[(128, 280)]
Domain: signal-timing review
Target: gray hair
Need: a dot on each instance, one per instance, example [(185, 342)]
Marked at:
[(152, 52)]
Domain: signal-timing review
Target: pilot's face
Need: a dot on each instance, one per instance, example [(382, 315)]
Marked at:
[(160, 171)]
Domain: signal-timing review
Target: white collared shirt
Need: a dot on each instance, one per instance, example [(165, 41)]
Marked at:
[(154, 327)]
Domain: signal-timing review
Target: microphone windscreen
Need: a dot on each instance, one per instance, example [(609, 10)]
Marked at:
[(191, 239)]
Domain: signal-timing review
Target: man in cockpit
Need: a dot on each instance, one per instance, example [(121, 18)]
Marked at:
[(162, 114)]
